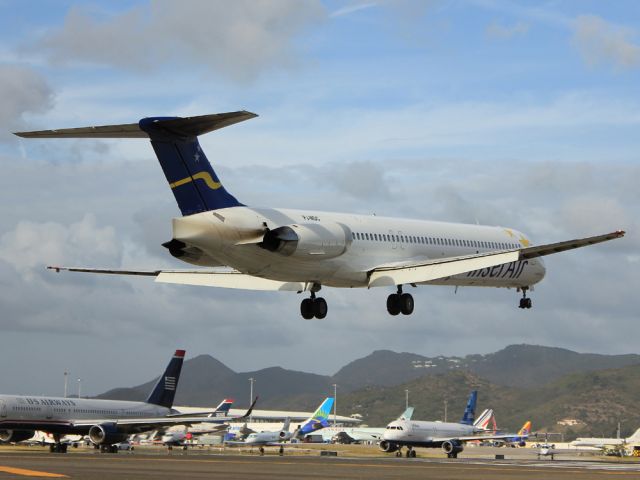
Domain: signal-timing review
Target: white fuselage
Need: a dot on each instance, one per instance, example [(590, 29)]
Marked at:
[(425, 434), (54, 414), (263, 438), (339, 250)]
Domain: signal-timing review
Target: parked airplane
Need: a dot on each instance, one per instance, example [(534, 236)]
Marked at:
[(266, 438), (344, 434), (302, 250), (107, 422), (519, 439), (428, 434), (174, 438), (609, 443), (317, 421)]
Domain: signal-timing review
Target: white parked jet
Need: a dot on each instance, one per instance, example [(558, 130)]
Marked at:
[(446, 435), (266, 438), (107, 422), (302, 250), (609, 443)]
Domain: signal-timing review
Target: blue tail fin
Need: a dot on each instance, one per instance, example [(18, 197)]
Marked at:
[(319, 419), (165, 390), (470, 412), (193, 182)]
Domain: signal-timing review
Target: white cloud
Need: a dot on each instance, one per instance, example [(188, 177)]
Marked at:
[(237, 39), (602, 42), (22, 90)]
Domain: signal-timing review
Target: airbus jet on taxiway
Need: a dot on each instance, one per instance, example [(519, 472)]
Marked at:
[(302, 250)]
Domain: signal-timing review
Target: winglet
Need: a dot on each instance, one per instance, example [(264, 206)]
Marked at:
[(248, 412)]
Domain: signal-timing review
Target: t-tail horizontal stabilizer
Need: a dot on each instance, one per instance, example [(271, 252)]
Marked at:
[(194, 183)]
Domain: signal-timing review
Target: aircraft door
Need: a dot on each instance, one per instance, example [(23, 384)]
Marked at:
[(3, 409)]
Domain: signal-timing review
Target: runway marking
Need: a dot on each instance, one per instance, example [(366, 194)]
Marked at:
[(30, 473), (571, 469)]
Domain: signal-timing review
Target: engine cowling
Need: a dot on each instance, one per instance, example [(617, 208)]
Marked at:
[(452, 447), (308, 240), (387, 446), (7, 436), (106, 433)]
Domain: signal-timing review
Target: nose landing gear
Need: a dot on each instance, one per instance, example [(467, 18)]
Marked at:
[(400, 303), (525, 302)]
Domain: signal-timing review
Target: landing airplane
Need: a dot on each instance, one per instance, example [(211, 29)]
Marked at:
[(107, 422), (303, 250), (428, 434)]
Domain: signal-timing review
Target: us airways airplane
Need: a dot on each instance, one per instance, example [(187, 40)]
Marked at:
[(107, 422), (301, 250)]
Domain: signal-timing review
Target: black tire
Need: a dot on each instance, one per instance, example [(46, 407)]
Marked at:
[(406, 304), (306, 309), (393, 304), (320, 308), (63, 448), (528, 303), (413, 454)]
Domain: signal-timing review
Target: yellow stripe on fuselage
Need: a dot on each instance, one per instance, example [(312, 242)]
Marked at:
[(206, 176)]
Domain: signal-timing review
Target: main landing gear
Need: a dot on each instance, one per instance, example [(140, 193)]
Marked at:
[(58, 447), (400, 303), (525, 302), (313, 307)]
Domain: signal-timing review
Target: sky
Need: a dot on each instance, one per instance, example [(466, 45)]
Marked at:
[(520, 114)]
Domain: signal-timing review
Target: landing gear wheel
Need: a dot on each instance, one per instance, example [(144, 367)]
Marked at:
[(399, 453), (525, 302), (320, 308), (412, 454), (393, 304), (406, 304), (306, 308)]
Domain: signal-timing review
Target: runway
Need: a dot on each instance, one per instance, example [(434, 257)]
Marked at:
[(80, 464)]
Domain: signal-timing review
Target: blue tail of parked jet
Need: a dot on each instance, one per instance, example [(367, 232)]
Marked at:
[(193, 182), (470, 412), (320, 418), (165, 390)]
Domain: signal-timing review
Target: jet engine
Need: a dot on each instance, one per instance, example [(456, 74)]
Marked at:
[(452, 448), (106, 433), (7, 436), (387, 446), (308, 240)]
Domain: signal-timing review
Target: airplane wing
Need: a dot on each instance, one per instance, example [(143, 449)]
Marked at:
[(142, 424), (435, 269), (223, 278), (471, 438)]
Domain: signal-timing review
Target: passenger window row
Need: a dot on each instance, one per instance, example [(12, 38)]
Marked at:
[(452, 242)]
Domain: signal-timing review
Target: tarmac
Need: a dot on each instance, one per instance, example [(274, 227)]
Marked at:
[(157, 463)]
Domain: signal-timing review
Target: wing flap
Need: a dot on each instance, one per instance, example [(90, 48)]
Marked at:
[(234, 280), (433, 270)]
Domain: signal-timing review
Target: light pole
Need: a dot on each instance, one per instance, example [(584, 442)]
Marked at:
[(79, 385), (251, 380), (445, 410), (335, 402), (406, 398), (66, 383)]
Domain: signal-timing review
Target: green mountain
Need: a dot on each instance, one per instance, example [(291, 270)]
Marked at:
[(520, 382), (599, 400)]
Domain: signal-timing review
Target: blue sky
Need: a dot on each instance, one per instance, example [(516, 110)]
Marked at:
[(523, 114)]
